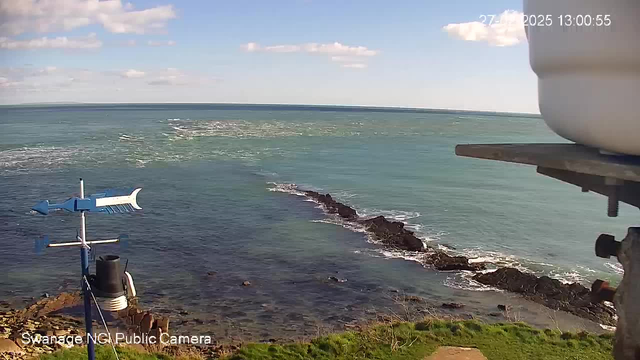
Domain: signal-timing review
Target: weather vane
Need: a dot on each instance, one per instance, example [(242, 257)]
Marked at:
[(110, 202)]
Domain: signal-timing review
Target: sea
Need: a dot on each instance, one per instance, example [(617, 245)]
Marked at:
[(221, 205)]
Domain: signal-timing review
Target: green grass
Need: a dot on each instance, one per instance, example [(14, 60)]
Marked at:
[(414, 341), (104, 353)]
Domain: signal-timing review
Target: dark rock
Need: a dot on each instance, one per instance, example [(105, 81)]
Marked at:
[(504, 307), (211, 273), (393, 234), (332, 206), (452, 305), (495, 314), (45, 295), (183, 312), (146, 323), (444, 262), (409, 299), (414, 298), (573, 298), (337, 280)]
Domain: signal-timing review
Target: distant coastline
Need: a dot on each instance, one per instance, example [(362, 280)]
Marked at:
[(280, 107)]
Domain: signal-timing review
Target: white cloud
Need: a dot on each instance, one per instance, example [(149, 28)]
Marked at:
[(167, 80), (52, 80), (344, 58), (350, 56), (21, 16), (282, 48), (173, 76), (46, 70), (47, 79), (338, 49), (335, 48), (507, 29), (355, 66), (62, 42), (132, 74), (250, 47), (161, 43)]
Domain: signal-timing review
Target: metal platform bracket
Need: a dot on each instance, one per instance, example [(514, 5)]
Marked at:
[(614, 176)]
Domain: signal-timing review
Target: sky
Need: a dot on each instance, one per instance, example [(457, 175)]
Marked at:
[(407, 53)]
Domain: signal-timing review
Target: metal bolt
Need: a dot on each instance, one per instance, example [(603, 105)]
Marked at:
[(601, 291), (607, 246), (613, 205), (614, 195)]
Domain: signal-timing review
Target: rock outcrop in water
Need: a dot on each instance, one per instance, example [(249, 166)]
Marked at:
[(573, 298), (392, 234), (444, 262), (332, 206)]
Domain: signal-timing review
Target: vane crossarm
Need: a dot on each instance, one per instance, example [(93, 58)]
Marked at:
[(79, 243)]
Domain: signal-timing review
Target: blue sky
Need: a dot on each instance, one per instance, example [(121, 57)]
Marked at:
[(432, 54)]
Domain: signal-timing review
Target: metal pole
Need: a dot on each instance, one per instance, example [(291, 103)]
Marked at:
[(84, 257)]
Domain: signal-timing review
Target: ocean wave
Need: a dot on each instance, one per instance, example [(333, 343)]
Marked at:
[(464, 281), (285, 188), (38, 158), (499, 259), (616, 267), (188, 129), (130, 138), (568, 277), (396, 215), (405, 255), (607, 327), (345, 224)]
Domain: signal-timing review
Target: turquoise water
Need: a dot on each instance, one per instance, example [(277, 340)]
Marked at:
[(215, 199)]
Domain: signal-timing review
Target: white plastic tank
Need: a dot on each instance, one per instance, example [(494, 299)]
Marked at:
[(586, 54)]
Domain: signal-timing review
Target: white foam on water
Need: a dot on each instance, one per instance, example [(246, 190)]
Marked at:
[(463, 280), (130, 138), (285, 188), (401, 254), (616, 267), (38, 158), (395, 215), (568, 277), (608, 327), (345, 224), (495, 258)]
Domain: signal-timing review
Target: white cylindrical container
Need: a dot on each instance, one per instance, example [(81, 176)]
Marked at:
[(588, 67)]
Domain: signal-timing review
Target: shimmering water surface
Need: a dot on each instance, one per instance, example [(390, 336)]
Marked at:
[(216, 199)]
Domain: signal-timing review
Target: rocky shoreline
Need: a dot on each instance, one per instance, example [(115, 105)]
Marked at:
[(37, 320), (573, 298)]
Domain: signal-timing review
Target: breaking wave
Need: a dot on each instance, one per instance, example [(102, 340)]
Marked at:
[(38, 158)]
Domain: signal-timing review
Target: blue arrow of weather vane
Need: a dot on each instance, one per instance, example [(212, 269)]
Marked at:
[(110, 201)]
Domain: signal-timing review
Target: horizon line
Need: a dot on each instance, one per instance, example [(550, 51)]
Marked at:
[(387, 107)]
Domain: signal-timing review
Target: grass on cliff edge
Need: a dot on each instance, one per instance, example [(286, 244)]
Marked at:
[(414, 341)]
